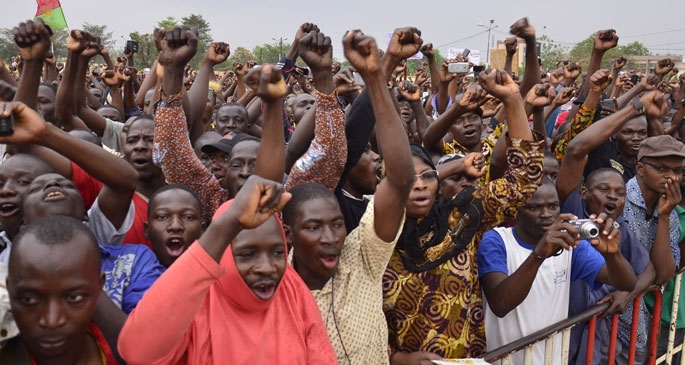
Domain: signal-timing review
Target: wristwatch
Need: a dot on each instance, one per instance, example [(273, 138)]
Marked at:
[(639, 107)]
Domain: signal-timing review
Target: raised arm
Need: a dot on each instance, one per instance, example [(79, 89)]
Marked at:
[(510, 45), (393, 191), (325, 159), (429, 53), (148, 335), (531, 75), (581, 120), (33, 41), (500, 84), (571, 171), (267, 83), (172, 146), (217, 53), (469, 101), (604, 41), (118, 176)]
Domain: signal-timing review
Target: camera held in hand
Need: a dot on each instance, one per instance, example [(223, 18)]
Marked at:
[(132, 46), (587, 228), (6, 126)]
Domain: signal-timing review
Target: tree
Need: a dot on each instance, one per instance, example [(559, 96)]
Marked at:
[(204, 38), (147, 52), (169, 23), (551, 52), (583, 51), (59, 44), (240, 54), (100, 31), (8, 50), (269, 53)]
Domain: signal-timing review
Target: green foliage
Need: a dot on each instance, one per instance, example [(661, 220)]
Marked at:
[(551, 52), (147, 52), (100, 31), (8, 50), (583, 51), (169, 23), (59, 44), (269, 53), (240, 54), (204, 39)]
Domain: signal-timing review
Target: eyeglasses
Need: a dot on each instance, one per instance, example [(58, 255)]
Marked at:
[(428, 175), (665, 169)]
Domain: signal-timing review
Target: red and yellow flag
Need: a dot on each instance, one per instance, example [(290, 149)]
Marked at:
[(51, 12)]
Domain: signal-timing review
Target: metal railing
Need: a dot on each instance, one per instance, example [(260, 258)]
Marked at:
[(590, 316)]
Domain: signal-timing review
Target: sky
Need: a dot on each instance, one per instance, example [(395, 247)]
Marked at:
[(445, 24)]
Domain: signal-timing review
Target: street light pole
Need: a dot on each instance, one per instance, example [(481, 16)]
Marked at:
[(280, 41), (490, 28)]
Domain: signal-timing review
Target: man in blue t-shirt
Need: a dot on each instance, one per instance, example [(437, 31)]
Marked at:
[(526, 272)]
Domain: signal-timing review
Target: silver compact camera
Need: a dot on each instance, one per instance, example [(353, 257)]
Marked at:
[(587, 228)]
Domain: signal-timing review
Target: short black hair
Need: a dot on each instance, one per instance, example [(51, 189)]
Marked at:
[(53, 230), (240, 106), (164, 188), (44, 167), (302, 193), (130, 121), (591, 176)]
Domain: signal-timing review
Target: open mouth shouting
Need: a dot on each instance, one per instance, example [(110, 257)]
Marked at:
[(175, 246), (264, 290)]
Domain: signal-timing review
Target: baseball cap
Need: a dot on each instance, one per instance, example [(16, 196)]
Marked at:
[(227, 143), (660, 146)]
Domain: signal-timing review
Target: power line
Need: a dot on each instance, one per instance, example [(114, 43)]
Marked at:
[(646, 34), (463, 39)]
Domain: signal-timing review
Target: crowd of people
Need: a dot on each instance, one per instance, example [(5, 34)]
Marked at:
[(281, 214)]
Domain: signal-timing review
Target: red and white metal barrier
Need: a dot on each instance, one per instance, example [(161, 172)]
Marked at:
[(590, 316)]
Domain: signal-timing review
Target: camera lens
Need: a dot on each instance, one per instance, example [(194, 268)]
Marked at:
[(589, 230)]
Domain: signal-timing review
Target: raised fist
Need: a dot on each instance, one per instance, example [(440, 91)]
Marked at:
[(498, 83), (600, 80), (362, 52), (511, 44), (33, 40), (267, 82), (316, 51), (540, 96), (605, 39), (522, 29), (404, 42), (178, 45), (218, 52)]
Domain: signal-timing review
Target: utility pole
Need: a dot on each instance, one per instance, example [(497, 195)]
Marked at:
[(280, 42), (490, 28)]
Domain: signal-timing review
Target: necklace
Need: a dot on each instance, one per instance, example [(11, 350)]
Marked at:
[(345, 193)]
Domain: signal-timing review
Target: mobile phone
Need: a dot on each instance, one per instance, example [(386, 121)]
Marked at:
[(458, 68), (7, 126), (477, 70), (132, 46), (634, 79), (358, 80), (466, 52)]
